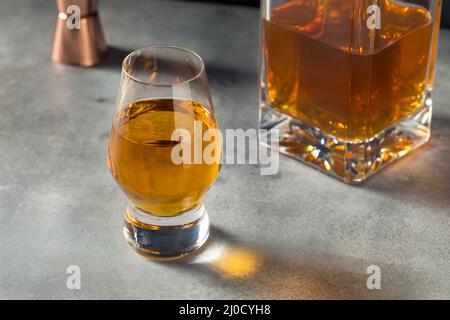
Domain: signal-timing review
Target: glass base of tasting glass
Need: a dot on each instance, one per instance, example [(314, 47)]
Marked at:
[(166, 237), (348, 161)]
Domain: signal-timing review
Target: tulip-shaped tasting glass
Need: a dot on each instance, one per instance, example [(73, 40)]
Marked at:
[(164, 150)]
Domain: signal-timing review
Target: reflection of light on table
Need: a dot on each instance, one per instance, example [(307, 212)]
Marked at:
[(230, 261), (237, 263)]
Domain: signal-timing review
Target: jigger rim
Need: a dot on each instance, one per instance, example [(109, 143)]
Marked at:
[(172, 84)]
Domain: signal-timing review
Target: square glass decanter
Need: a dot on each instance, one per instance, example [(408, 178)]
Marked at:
[(348, 83)]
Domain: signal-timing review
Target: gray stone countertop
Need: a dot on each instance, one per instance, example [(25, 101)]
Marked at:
[(298, 234)]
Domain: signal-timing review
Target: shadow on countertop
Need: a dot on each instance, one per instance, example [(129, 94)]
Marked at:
[(114, 58), (407, 179), (215, 72), (266, 274)]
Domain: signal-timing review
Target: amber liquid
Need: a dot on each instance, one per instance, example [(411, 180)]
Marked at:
[(435, 41), (334, 74), (140, 150)]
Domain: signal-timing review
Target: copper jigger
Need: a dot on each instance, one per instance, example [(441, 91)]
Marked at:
[(85, 46)]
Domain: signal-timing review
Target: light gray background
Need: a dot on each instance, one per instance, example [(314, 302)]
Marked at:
[(301, 233)]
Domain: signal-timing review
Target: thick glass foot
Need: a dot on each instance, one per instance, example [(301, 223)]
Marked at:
[(348, 161), (166, 237)]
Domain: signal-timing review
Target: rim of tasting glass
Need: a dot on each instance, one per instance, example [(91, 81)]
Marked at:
[(175, 48)]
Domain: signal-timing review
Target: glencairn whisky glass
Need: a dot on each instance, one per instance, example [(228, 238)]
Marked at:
[(348, 82), (164, 92)]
